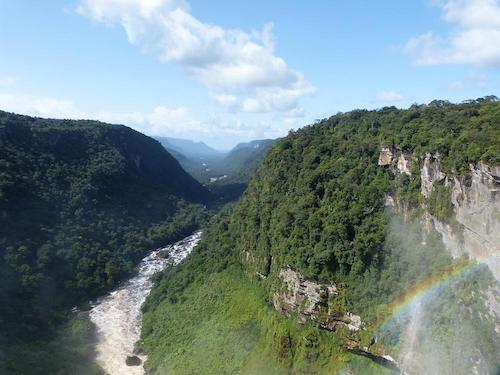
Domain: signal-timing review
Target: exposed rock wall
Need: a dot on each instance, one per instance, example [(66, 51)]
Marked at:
[(475, 227), (310, 301), (430, 172), (386, 156), (390, 155), (476, 201), (404, 164)]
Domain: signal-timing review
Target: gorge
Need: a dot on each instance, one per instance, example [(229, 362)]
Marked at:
[(366, 243), (117, 316)]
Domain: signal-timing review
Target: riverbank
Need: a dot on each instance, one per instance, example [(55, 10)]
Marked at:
[(118, 318)]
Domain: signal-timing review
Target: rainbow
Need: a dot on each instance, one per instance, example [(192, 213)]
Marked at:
[(423, 290)]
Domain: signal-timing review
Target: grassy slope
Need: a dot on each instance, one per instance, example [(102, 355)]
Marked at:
[(234, 331)]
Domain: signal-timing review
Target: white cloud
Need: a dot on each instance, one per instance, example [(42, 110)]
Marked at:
[(226, 100), (39, 106), (160, 121), (474, 81), (6, 81), (474, 39), (239, 68), (388, 96)]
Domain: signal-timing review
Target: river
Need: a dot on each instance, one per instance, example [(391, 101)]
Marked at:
[(117, 315)]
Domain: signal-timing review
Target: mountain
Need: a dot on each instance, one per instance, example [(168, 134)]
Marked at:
[(225, 174), (80, 204), (190, 149), (253, 145), (359, 247), (244, 158)]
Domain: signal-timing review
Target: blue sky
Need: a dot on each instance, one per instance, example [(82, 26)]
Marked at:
[(226, 71)]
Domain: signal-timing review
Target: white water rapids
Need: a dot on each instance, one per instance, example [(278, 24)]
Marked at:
[(117, 315)]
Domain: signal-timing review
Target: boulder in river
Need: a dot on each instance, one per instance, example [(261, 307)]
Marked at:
[(139, 348), (133, 360)]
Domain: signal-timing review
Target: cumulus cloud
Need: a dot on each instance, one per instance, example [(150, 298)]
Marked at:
[(160, 121), (240, 68), (475, 81), (220, 131), (388, 96), (7, 81), (39, 106), (474, 40)]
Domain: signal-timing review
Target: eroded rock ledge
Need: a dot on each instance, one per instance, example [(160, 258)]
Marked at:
[(310, 300)]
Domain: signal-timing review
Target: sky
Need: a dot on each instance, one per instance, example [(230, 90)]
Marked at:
[(225, 72)]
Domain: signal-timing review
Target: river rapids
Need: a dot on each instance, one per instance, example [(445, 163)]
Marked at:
[(117, 316)]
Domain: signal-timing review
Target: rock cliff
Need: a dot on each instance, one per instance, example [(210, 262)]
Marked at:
[(310, 300), (474, 227), (386, 156), (430, 172)]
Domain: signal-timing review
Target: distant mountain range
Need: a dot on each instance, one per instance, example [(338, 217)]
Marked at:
[(242, 161), (188, 148), (210, 166)]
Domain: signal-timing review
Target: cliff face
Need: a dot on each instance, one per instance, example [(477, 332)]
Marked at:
[(475, 227), (310, 300), (430, 172), (476, 199)]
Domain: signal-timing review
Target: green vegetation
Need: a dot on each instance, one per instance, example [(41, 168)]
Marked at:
[(440, 204), (229, 329), (71, 351), (242, 161), (225, 174), (80, 203), (316, 204)]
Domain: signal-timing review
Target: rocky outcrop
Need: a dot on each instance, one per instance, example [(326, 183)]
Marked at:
[(430, 173), (385, 156), (476, 202), (382, 359), (474, 228), (133, 360), (404, 164), (397, 159), (310, 301)]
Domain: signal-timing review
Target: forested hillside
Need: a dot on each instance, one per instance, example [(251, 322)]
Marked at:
[(317, 208), (191, 149), (80, 203), (225, 174), (242, 161)]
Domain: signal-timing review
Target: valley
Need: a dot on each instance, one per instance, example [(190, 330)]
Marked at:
[(117, 316), (194, 187), (344, 254), (225, 173)]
